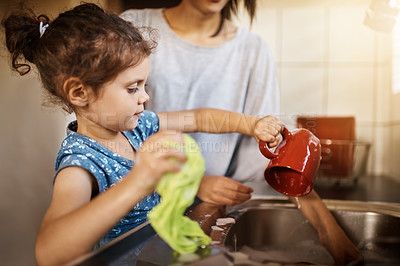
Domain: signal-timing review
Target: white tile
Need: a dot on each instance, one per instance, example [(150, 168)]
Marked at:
[(349, 39), (351, 93), (395, 153), (384, 47), (303, 34), (395, 107), (266, 25), (379, 155), (366, 133), (383, 93), (301, 91)]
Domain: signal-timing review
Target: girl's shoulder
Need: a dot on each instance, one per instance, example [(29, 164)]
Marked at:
[(148, 117), (76, 143)]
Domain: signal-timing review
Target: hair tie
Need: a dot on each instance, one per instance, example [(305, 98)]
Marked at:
[(42, 28)]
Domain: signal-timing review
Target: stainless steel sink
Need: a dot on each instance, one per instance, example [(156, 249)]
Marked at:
[(274, 230), (266, 230)]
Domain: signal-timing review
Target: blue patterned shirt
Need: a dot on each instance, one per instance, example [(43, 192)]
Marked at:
[(108, 167)]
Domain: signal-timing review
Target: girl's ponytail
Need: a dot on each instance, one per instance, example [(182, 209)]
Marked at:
[(22, 31)]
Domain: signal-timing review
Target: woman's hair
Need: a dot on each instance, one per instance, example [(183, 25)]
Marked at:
[(85, 42), (231, 8)]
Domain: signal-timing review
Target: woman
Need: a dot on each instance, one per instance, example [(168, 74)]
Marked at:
[(210, 62), (213, 63)]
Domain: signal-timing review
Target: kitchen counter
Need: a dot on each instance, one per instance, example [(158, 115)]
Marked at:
[(366, 188)]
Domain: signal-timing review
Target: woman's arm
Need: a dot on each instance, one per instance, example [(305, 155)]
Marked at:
[(330, 233)]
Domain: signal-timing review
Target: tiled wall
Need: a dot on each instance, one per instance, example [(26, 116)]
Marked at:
[(394, 144), (330, 63)]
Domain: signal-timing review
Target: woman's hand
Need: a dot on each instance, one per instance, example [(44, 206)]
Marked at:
[(267, 129), (330, 233), (339, 245), (223, 190), (161, 153)]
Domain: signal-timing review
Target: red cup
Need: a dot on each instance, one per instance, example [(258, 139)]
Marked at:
[(294, 164)]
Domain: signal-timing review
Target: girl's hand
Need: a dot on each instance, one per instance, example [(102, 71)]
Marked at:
[(267, 129), (155, 158)]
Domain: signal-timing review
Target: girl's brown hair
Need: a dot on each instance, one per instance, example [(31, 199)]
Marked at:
[(85, 42)]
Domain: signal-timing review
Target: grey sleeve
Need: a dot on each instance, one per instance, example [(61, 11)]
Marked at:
[(135, 16), (263, 98)]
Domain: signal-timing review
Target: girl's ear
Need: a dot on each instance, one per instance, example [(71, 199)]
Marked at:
[(76, 92)]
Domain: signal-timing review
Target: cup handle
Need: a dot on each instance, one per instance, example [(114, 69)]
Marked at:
[(264, 149)]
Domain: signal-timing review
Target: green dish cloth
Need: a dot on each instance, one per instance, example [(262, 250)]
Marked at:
[(177, 191)]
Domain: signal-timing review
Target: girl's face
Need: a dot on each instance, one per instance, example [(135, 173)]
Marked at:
[(120, 102), (208, 6)]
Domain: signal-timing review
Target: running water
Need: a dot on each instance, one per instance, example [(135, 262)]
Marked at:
[(298, 202)]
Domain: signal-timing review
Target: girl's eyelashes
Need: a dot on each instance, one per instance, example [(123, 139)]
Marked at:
[(133, 89)]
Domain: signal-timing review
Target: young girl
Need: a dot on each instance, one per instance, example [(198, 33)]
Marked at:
[(96, 65)]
